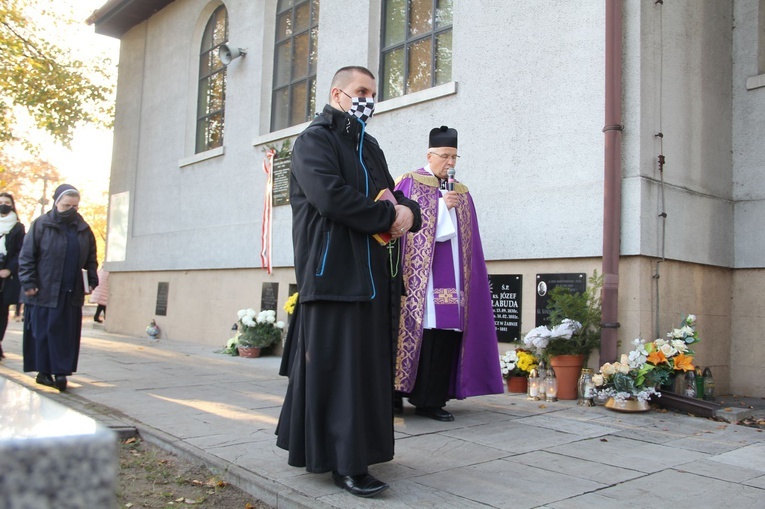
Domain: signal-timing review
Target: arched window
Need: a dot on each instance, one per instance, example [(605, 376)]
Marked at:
[(416, 46), (211, 98), (297, 37)]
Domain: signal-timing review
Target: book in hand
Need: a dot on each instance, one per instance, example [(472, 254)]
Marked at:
[(85, 282), (384, 237)]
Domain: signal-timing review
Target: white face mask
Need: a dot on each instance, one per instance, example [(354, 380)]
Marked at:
[(361, 107)]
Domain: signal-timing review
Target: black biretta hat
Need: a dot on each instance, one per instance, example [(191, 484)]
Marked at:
[(443, 137)]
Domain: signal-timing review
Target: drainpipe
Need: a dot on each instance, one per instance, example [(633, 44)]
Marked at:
[(612, 182)]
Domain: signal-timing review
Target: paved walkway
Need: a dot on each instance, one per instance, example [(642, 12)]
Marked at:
[(501, 451)]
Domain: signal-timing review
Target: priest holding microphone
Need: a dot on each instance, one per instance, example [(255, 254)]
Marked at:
[(447, 343)]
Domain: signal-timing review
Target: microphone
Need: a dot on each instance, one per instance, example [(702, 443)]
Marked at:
[(450, 179)]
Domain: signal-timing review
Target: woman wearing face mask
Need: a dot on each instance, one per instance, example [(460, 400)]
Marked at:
[(59, 246), (11, 238)]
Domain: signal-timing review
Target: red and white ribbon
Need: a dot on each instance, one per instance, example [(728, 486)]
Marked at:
[(267, 225)]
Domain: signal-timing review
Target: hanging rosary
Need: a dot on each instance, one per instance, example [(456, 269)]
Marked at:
[(392, 244)]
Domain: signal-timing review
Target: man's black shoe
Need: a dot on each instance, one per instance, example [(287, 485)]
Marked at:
[(363, 485), (45, 379), (437, 414), (61, 383)]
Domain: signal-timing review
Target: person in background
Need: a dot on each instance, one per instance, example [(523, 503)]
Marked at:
[(11, 238), (101, 294), (59, 246), (447, 340), (337, 414)]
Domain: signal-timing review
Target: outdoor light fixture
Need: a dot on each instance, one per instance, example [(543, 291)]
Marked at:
[(228, 53)]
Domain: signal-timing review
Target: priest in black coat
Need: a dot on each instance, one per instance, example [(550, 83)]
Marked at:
[(339, 355)]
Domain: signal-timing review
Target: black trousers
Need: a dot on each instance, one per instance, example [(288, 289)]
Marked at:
[(3, 318), (438, 355), (99, 309)]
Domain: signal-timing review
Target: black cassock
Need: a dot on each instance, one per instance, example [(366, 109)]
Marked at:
[(338, 411)]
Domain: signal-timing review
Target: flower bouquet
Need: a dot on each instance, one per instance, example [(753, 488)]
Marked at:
[(639, 374), (254, 330), (517, 362), (515, 366)]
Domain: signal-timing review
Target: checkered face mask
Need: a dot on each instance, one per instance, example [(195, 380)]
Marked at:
[(362, 107)]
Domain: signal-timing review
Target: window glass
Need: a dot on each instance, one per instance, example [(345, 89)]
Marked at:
[(211, 93), (416, 46), (295, 55), (418, 76)]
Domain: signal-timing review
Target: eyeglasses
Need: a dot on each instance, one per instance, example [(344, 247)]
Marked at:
[(445, 156)]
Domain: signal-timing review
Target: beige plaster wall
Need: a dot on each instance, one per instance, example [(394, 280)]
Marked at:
[(747, 354), (683, 288), (202, 305)]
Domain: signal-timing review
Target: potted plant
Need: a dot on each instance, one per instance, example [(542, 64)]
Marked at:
[(629, 383), (515, 366), (574, 332), (256, 331)]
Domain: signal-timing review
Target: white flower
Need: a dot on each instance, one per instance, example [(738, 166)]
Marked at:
[(608, 369), (248, 321), (636, 359), (251, 312), (270, 319), (624, 359), (658, 343), (598, 379), (622, 368), (668, 350), (537, 338), (688, 332), (680, 345), (566, 329), (270, 312), (241, 313), (690, 319), (676, 333), (279, 324)]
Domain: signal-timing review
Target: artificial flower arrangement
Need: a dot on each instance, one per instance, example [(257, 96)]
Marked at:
[(517, 362), (575, 322), (637, 375), (289, 306), (255, 329)]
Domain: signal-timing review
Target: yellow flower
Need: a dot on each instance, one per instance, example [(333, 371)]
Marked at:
[(289, 306)]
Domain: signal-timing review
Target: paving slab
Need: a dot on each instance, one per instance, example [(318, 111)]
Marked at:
[(501, 451)]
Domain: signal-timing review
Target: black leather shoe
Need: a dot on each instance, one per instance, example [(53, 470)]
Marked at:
[(2, 355), (437, 414), (45, 379), (363, 485), (61, 383)]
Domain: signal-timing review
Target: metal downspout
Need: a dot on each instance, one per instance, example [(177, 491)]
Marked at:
[(612, 182)]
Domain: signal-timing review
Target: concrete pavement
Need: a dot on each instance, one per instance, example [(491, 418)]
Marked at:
[(501, 451)]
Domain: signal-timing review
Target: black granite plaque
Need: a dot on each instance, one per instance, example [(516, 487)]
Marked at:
[(281, 189), (546, 282), (269, 295), (506, 291), (163, 290)]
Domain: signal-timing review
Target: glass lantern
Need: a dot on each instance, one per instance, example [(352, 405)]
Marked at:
[(709, 385), (533, 385), (586, 388), (551, 386), (541, 369), (690, 385)]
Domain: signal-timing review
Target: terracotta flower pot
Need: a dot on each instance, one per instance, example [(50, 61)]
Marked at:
[(249, 351), (517, 384), (567, 370)]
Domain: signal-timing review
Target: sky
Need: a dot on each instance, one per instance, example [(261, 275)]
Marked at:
[(87, 165)]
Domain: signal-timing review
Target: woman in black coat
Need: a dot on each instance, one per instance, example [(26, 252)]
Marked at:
[(11, 238), (60, 244)]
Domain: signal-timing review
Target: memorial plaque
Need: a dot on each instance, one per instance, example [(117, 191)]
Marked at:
[(281, 173), (577, 282), (163, 290), (269, 295), (506, 291)]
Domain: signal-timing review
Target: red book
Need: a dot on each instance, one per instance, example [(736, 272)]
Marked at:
[(384, 237)]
